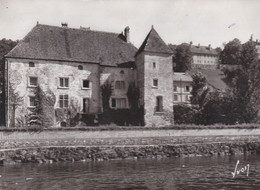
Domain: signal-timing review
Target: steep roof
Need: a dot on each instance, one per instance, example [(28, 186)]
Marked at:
[(154, 43), (203, 50), (68, 44)]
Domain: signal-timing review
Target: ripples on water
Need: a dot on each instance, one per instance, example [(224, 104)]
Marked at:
[(175, 173)]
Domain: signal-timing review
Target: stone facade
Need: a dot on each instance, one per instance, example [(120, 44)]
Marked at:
[(157, 97), (119, 78), (204, 56), (70, 72)]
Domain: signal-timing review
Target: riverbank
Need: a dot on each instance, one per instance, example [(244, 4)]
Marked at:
[(97, 145)]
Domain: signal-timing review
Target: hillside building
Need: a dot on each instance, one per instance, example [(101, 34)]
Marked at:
[(204, 56)]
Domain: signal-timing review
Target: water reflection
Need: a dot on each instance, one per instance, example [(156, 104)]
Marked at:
[(174, 173)]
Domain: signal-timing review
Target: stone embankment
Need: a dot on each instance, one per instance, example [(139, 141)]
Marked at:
[(54, 146)]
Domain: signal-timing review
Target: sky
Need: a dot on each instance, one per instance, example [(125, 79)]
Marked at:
[(206, 22)]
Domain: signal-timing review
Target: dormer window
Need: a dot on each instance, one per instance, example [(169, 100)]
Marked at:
[(80, 67), (122, 72), (31, 64)]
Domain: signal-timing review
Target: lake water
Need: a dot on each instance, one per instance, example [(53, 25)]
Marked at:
[(173, 173)]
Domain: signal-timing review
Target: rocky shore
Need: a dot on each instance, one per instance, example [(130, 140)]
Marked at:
[(100, 153)]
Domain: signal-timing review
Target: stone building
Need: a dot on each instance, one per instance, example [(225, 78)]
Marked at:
[(182, 88), (204, 56), (63, 69)]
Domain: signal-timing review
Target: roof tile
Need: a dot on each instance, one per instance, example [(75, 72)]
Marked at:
[(61, 43)]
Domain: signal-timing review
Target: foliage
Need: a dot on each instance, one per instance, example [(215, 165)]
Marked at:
[(5, 47), (199, 89), (231, 53), (182, 57), (218, 108), (15, 100), (42, 114), (245, 82), (184, 114), (136, 113), (106, 91), (133, 95)]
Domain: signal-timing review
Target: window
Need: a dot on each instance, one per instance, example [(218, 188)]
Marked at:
[(33, 81), (80, 67), (154, 65), (119, 103), (64, 101), (31, 64), (174, 88), (120, 85), (64, 82), (122, 72), (175, 98), (155, 82), (32, 102), (159, 104), (187, 88), (85, 84)]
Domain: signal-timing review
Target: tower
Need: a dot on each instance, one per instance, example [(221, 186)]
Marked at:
[(154, 79)]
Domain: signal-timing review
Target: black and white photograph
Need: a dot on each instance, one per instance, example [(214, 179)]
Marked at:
[(129, 94)]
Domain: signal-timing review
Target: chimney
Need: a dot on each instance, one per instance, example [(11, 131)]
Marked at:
[(64, 24), (209, 46), (256, 40), (190, 43), (199, 45), (127, 35)]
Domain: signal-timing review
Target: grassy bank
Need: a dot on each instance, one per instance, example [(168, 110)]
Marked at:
[(114, 127)]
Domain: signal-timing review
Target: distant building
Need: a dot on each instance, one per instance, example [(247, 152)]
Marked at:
[(181, 88), (204, 56)]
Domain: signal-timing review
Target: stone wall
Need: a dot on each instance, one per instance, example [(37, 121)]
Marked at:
[(158, 67), (84, 153), (49, 146), (113, 74), (48, 74)]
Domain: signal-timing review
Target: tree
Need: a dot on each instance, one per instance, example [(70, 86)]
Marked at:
[(136, 112), (199, 89), (246, 83), (231, 53), (106, 91), (5, 47), (182, 57), (42, 115), (15, 101)]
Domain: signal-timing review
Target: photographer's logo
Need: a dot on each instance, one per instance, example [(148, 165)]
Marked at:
[(241, 170)]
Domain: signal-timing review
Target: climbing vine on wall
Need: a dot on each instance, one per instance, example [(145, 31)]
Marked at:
[(106, 91), (42, 114)]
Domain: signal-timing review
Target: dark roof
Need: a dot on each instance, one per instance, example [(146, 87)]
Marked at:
[(154, 43), (203, 50), (68, 44), (215, 78)]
